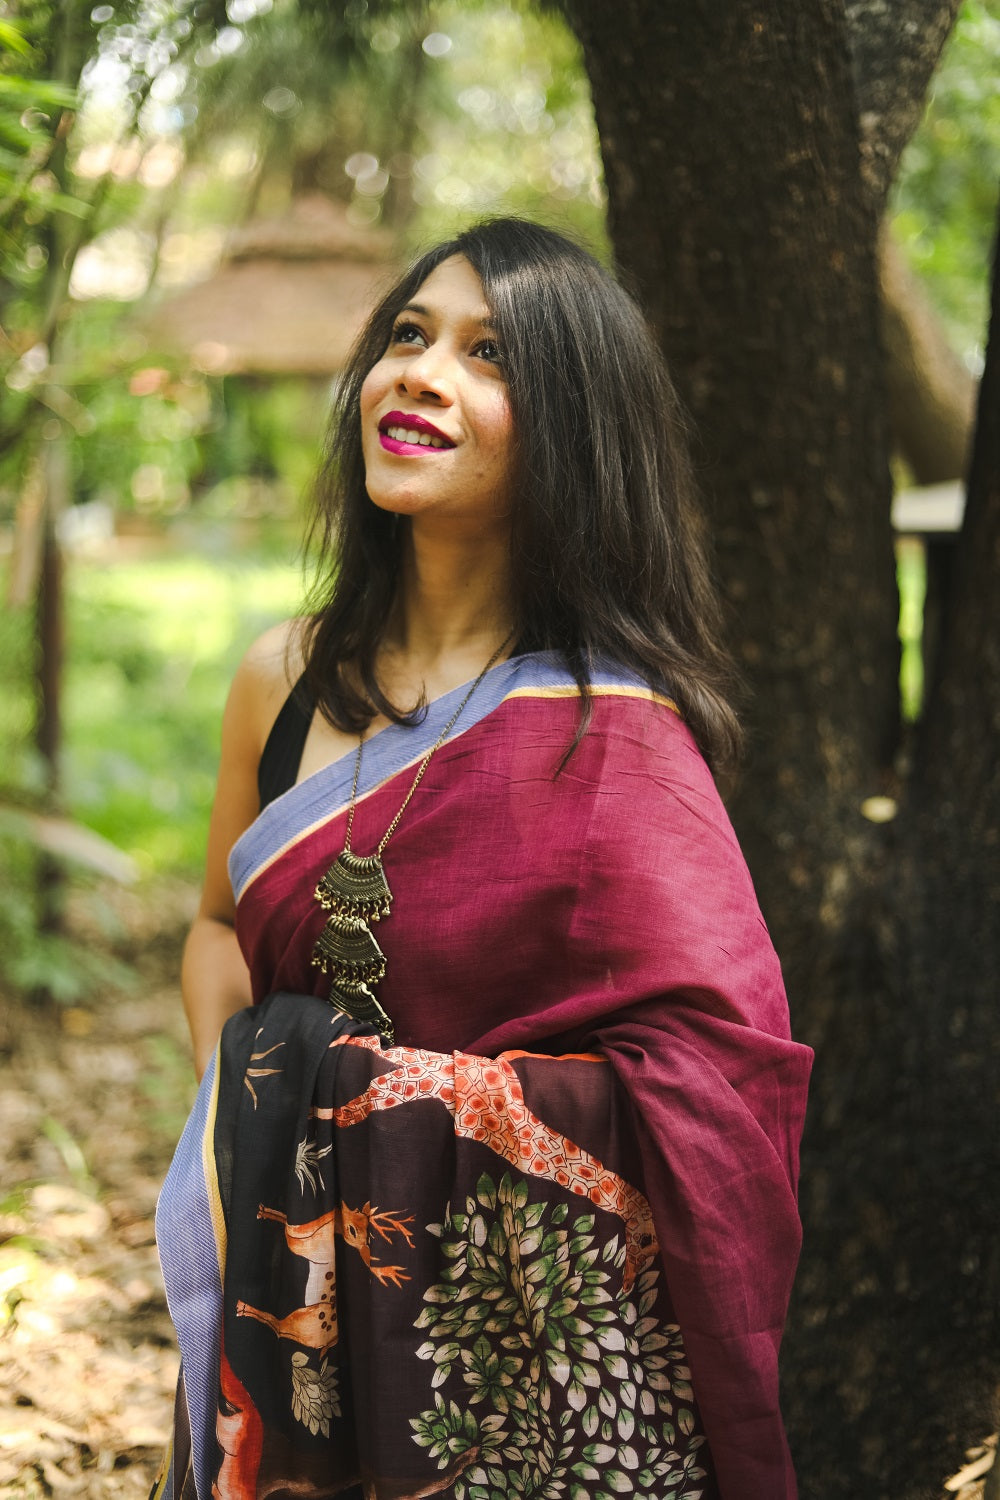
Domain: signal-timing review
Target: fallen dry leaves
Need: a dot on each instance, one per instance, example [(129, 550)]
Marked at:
[(91, 1103), (87, 1364)]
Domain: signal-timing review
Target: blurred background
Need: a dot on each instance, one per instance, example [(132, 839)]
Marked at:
[(198, 203)]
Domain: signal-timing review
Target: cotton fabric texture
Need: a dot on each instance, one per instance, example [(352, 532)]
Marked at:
[(603, 923)]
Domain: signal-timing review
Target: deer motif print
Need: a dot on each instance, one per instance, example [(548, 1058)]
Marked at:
[(314, 1325)]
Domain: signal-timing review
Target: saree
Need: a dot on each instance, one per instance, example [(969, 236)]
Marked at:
[(543, 1245)]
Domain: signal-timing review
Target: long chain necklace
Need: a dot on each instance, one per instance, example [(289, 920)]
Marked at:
[(355, 892)]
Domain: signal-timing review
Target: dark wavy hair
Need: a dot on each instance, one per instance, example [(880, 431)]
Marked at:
[(608, 557)]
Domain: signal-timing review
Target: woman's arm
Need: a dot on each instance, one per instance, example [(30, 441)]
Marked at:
[(215, 982)]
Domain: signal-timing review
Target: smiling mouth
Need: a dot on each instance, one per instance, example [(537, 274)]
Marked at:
[(401, 433), (414, 438)]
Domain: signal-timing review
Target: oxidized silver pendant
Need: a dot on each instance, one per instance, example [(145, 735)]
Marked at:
[(354, 891), (355, 886), (346, 950), (358, 1002)]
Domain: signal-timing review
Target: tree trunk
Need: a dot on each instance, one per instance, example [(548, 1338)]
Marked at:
[(952, 919), (931, 393), (736, 211), (745, 215), (894, 51), (50, 651)]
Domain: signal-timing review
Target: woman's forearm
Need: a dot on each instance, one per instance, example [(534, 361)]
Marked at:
[(215, 984)]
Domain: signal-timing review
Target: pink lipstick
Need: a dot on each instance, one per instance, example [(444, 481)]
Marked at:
[(403, 432)]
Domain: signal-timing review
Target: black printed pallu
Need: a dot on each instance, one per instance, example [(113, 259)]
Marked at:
[(400, 1273)]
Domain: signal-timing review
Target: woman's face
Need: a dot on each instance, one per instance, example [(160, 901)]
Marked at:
[(436, 426)]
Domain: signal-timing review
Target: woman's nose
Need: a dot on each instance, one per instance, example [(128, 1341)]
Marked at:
[(428, 372)]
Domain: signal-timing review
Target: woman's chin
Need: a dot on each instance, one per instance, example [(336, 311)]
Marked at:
[(401, 504), (433, 509)]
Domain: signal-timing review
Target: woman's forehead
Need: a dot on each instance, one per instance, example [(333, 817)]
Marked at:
[(453, 287)]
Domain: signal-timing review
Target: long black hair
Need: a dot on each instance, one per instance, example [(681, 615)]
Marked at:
[(607, 550)]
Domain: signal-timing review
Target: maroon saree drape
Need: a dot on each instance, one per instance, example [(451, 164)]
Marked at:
[(606, 910)]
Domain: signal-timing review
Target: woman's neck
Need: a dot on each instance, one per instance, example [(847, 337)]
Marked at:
[(455, 600)]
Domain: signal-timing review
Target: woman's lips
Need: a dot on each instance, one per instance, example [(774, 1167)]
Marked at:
[(401, 432)]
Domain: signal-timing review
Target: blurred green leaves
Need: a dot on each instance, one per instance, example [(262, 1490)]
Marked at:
[(154, 643), (31, 113), (946, 196)]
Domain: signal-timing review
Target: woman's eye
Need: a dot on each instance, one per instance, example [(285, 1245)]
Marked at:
[(489, 349), (406, 333)]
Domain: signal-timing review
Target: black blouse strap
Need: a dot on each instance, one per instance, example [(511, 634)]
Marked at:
[(282, 753)]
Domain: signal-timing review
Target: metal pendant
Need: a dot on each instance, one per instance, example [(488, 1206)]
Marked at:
[(346, 950), (354, 891), (355, 886), (358, 1002)]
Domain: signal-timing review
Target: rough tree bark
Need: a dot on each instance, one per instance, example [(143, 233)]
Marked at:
[(895, 46), (747, 152), (731, 161), (951, 920)]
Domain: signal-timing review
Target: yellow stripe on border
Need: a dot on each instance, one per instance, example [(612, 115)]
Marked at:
[(160, 1483), (568, 690), (597, 690), (210, 1173)]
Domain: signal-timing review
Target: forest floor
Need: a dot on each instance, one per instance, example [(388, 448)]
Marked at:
[(92, 1102)]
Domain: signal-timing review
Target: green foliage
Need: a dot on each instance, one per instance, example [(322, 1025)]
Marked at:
[(31, 108), (155, 645), (61, 966), (73, 1159), (515, 131), (160, 440), (79, 75), (418, 117), (911, 577), (945, 201), (143, 449), (307, 84)]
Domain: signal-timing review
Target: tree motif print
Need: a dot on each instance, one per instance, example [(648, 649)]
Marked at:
[(307, 1159), (314, 1394), (569, 1385)]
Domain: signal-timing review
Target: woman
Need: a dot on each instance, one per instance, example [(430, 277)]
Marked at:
[(522, 1174)]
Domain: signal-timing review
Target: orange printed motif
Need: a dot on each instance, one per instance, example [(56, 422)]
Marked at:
[(258, 1057), (240, 1435), (314, 1325), (487, 1101)]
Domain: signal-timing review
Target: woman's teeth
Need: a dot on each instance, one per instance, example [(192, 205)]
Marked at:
[(411, 435)]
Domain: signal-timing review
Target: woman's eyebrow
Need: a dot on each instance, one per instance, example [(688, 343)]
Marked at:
[(428, 312)]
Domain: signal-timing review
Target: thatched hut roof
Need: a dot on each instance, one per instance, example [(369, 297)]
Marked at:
[(289, 296)]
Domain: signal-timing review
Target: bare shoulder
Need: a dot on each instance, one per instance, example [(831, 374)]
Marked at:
[(265, 677), (278, 656)]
